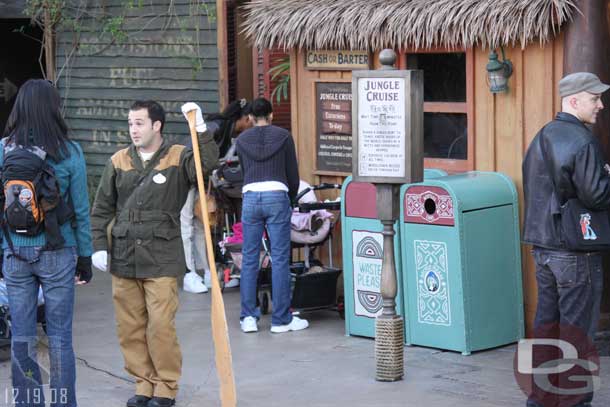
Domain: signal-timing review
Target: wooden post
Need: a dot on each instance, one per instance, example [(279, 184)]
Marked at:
[(223, 62), (587, 48), (49, 45), (387, 123), (388, 211)]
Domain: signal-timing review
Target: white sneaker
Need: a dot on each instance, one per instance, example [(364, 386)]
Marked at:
[(234, 282), (295, 325), (207, 280), (248, 324), (194, 284)]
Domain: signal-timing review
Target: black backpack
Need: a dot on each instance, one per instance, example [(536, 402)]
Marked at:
[(31, 198)]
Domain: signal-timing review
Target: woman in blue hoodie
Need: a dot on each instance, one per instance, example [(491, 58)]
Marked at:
[(271, 181)]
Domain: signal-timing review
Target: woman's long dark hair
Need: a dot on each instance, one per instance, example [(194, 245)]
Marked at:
[(232, 113), (36, 119)]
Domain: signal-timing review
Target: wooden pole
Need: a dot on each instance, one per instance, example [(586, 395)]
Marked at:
[(587, 48), (220, 331), (49, 46), (223, 63)]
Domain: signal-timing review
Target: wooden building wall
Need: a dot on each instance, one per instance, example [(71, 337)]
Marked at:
[(169, 55), (504, 124)]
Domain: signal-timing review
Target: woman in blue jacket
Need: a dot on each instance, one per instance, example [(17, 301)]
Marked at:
[(29, 262)]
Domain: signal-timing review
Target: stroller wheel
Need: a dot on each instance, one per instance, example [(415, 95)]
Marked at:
[(264, 303), (341, 307)]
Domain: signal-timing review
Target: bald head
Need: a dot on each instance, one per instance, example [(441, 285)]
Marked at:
[(584, 105)]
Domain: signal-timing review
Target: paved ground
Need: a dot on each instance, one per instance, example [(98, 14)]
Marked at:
[(316, 367)]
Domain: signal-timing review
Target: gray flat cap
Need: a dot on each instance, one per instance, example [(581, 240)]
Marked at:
[(581, 82)]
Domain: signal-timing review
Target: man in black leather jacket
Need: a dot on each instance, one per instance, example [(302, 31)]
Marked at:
[(569, 283)]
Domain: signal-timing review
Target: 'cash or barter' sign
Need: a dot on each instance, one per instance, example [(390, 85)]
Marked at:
[(337, 60)]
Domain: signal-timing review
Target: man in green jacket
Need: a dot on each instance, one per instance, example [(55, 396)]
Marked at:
[(143, 188)]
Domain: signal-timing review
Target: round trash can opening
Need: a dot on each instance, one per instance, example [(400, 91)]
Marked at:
[(430, 206)]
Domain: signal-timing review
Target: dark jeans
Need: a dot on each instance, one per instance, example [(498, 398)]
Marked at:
[(270, 209), (570, 287), (55, 272)]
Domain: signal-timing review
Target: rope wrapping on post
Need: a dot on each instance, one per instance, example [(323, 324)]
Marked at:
[(389, 347)]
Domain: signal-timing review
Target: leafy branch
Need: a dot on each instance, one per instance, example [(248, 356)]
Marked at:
[(280, 75)]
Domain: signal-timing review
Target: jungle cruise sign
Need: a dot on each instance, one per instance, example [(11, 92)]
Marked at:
[(337, 60)]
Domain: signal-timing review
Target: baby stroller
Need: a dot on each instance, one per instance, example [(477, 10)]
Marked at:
[(227, 181), (228, 178), (314, 285)]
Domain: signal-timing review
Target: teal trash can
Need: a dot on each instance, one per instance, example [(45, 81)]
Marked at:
[(461, 262), (363, 254)]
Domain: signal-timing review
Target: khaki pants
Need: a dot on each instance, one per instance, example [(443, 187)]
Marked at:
[(145, 313)]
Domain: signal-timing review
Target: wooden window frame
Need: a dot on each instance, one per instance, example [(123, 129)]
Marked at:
[(467, 107)]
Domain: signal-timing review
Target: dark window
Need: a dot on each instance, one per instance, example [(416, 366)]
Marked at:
[(445, 136), (445, 105), (444, 75)]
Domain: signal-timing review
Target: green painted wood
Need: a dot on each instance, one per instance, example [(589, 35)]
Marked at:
[(142, 93), (169, 73), (135, 62), (168, 56)]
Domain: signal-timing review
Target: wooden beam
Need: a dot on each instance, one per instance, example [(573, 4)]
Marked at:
[(223, 62), (445, 107), (294, 96), (587, 48), (49, 45)]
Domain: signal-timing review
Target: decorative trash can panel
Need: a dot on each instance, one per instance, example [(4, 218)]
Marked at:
[(461, 262), (363, 256), (432, 289)]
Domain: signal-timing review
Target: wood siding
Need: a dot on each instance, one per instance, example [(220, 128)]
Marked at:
[(504, 124), (169, 56)]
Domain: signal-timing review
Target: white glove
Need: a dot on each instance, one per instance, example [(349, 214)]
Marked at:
[(199, 123), (100, 260)]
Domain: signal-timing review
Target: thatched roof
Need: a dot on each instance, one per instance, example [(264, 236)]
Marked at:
[(376, 24)]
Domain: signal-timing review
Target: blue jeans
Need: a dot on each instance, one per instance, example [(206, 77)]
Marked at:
[(271, 209), (570, 286), (55, 272)]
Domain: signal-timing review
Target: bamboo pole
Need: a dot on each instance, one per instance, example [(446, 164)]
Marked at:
[(220, 331)]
